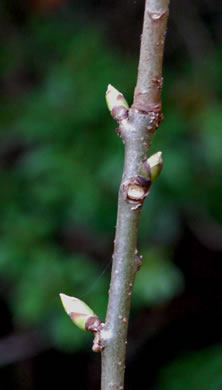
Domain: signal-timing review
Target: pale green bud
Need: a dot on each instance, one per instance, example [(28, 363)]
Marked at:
[(145, 170), (155, 162), (80, 313), (116, 103)]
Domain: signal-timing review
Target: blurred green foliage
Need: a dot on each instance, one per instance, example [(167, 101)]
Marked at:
[(196, 371), (68, 168), (158, 282)]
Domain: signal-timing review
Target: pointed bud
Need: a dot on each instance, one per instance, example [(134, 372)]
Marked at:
[(80, 313), (155, 162), (116, 103), (145, 170)]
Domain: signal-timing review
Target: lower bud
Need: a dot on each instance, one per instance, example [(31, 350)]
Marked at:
[(80, 313)]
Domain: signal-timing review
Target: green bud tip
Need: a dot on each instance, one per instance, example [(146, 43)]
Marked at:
[(116, 103), (80, 313), (155, 162)]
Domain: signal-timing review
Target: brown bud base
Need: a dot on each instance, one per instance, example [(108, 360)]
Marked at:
[(97, 343), (93, 324), (136, 189), (119, 113)]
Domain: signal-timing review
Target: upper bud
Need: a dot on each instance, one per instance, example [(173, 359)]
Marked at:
[(155, 162), (116, 103), (80, 313)]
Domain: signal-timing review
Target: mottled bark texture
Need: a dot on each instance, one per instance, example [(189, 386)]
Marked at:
[(136, 132)]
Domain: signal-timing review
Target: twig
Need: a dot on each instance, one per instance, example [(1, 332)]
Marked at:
[(136, 130)]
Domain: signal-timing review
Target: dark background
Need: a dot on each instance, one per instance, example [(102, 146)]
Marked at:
[(60, 168)]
